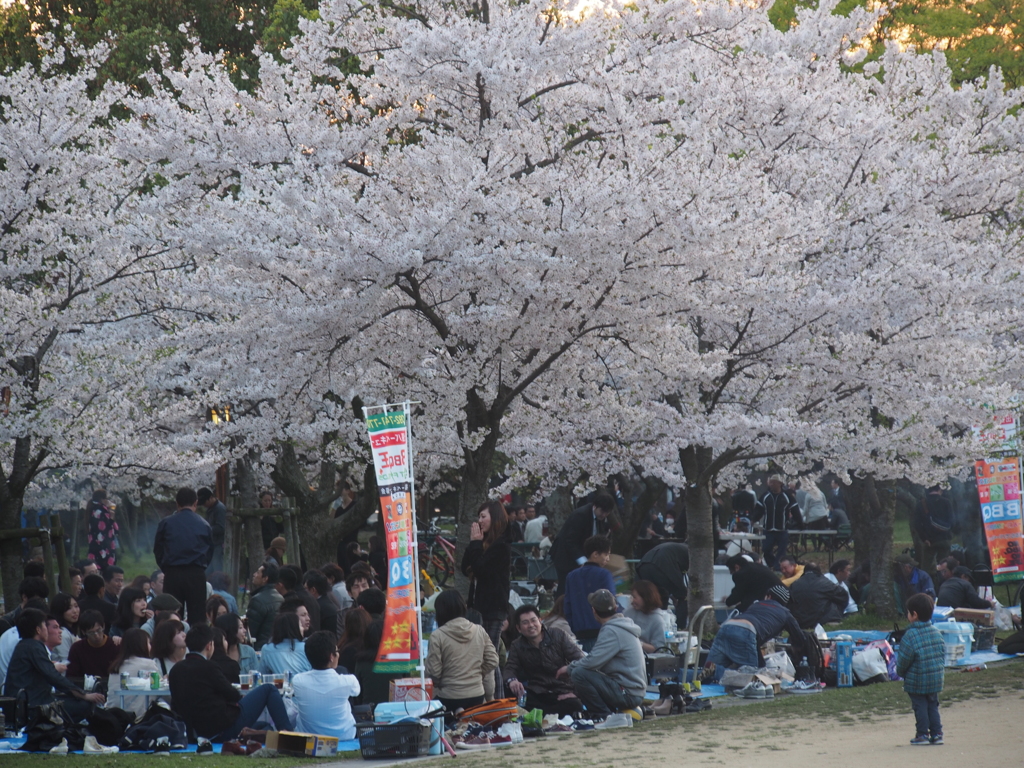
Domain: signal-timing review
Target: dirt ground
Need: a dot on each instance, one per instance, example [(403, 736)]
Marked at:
[(989, 727)]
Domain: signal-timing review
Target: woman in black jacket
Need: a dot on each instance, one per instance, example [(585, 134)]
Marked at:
[(487, 562)]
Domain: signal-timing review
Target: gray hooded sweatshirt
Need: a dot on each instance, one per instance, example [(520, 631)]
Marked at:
[(618, 654)]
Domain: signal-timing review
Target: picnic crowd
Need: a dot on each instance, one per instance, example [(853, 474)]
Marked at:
[(319, 630)]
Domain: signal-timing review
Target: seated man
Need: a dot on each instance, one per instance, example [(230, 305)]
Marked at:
[(958, 591), (9, 640), (739, 640), (208, 703), (32, 671), (317, 586), (92, 599), (751, 581), (613, 677), (536, 661), (912, 579), (790, 569), (93, 655), (813, 599), (322, 695), (583, 582)]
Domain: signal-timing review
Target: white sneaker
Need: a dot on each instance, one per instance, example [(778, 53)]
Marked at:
[(93, 747), (60, 749), (755, 689), (616, 720)]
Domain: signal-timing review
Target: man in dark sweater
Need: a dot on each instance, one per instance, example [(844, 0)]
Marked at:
[(567, 549), (739, 640), (666, 566), (583, 582), (182, 547), (751, 581), (208, 703), (93, 655), (32, 671), (813, 599), (959, 592)]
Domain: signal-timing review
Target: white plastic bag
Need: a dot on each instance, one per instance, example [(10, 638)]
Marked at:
[(1004, 619), (868, 664), (780, 665)]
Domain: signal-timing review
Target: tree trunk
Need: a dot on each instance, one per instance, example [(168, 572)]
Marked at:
[(696, 462), (877, 507), (860, 519), (634, 513), (252, 534), (10, 552), (558, 506), (474, 490)]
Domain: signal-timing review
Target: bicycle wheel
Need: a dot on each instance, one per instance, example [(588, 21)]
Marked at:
[(441, 568)]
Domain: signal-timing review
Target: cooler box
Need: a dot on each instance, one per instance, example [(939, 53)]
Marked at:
[(389, 712), (958, 637)]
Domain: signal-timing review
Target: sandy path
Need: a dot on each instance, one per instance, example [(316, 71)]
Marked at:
[(978, 731)]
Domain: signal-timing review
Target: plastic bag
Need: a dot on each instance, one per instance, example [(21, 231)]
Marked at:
[(1004, 619), (870, 663), (780, 665)]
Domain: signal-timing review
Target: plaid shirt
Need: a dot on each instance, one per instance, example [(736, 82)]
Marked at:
[(922, 659)]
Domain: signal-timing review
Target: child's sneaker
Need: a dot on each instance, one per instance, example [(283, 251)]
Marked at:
[(937, 740), (919, 741)]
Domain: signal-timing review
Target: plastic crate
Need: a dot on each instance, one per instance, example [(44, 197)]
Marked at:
[(377, 740)]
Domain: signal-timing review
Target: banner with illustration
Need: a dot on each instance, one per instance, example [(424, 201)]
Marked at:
[(999, 494), (392, 461)]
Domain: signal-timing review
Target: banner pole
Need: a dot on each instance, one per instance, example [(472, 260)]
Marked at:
[(421, 666)]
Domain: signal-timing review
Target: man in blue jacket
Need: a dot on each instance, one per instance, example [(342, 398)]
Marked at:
[(582, 583), (182, 548)]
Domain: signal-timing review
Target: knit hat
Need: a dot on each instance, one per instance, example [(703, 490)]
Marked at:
[(905, 559), (278, 542), (780, 594), (603, 602), (165, 602)]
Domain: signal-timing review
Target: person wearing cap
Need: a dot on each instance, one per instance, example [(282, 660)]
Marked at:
[(164, 602), (912, 579), (182, 548), (958, 591), (738, 642), (613, 677), (275, 552)]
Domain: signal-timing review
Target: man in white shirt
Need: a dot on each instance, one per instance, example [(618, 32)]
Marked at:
[(321, 694)]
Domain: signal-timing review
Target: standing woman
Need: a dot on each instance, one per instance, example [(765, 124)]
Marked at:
[(102, 530), (487, 561)]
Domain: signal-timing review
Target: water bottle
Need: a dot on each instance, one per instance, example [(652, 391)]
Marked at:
[(521, 699), (803, 672)]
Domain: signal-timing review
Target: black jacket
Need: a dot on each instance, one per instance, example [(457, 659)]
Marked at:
[(671, 560), (813, 599), (780, 511), (535, 667), (202, 696), (184, 538), (328, 614), (31, 670), (751, 583), (567, 548), (98, 603), (960, 593), (490, 571)]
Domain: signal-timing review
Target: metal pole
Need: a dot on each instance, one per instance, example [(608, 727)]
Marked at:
[(415, 548)]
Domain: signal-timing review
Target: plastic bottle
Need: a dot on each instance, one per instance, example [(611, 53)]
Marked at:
[(521, 699), (803, 672)]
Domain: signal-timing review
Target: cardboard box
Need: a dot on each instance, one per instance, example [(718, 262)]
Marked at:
[(844, 664), (302, 744), (411, 689), (976, 616)]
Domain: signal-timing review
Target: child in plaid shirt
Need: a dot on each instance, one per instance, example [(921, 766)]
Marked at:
[(921, 663)]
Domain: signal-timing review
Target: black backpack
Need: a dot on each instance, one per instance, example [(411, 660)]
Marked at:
[(157, 722), (48, 726)]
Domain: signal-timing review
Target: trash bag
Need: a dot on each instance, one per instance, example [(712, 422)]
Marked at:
[(109, 725)]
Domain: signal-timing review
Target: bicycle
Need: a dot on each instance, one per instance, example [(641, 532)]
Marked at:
[(437, 557)]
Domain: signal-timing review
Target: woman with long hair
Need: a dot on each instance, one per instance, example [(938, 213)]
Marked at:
[(220, 657), (238, 647), (133, 658), (132, 611), (143, 582), (286, 651), (462, 658), (64, 608), (646, 612), (168, 644), (351, 642), (487, 561), (216, 606)]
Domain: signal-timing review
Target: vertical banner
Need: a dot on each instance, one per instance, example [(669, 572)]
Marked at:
[(999, 494), (392, 460)]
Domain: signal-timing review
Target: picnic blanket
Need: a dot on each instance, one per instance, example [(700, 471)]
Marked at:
[(707, 691), (12, 744)]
